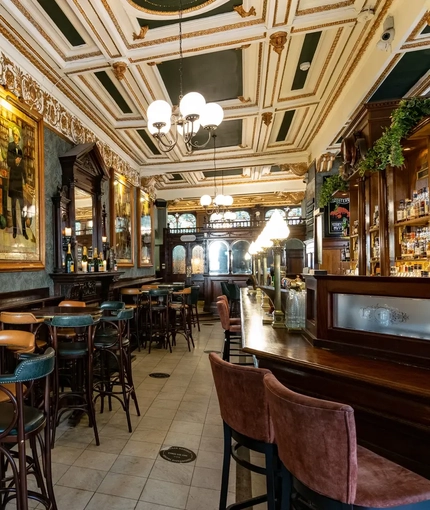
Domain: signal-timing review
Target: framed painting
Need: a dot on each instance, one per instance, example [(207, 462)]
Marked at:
[(122, 221), (22, 211), (337, 217), (145, 230)]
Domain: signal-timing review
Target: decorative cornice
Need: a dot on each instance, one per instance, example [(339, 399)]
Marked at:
[(119, 69), (323, 25), (243, 100), (55, 114), (298, 169), (141, 35), (169, 13), (267, 118), (244, 14)]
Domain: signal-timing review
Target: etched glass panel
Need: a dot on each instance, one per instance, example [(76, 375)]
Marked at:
[(380, 314), (178, 260), (187, 220), (197, 260), (241, 258), (218, 258)]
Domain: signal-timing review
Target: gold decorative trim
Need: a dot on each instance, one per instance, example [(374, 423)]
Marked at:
[(96, 95), (298, 169), (384, 74), (417, 44), (323, 25), (244, 14), (244, 47), (267, 117), (119, 69), (141, 35), (170, 13), (419, 27), (323, 8), (420, 88), (278, 40), (243, 100), (86, 69)]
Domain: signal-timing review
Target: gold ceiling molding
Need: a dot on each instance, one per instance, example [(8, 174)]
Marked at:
[(141, 35), (341, 83), (267, 118), (298, 169), (327, 7), (243, 100), (278, 40), (325, 162), (385, 73), (419, 27), (149, 185), (55, 114), (86, 70), (170, 13), (244, 47), (417, 44), (244, 14), (119, 69)]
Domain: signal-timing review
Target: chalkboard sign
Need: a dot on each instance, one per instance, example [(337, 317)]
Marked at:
[(337, 216), (79, 256)]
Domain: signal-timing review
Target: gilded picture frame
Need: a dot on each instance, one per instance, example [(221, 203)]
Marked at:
[(145, 230), (122, 217), (22, 202)]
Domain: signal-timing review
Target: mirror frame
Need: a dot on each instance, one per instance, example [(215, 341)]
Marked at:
[(142, 196), (113, 201)]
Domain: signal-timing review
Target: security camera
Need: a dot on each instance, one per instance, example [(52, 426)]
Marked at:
[(387, 36), (305, 178)]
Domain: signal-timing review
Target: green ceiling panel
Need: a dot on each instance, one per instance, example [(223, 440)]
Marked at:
[(168, 6), (109, 85), (209, 174), (175, 177), (228, 134), (157, 23), (149, 141), (426, 30), (410, 68), (63, 23), (309, 48), (201, 73), (285, 126), (275, 169)]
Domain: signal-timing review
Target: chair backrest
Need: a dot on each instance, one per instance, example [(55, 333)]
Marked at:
[(242, 399), (233, 290), (72, 303), (125, 315), (224, 314), (316, 440), (222, 298), (112, 305), (195, 292), (35, 367), (159, 292), (18, 318), (72, 321), (15, 340), (225, 290)]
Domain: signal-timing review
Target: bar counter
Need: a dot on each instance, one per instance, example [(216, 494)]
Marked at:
[(391, 401)]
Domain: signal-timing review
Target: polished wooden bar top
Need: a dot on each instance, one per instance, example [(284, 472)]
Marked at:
[(278, 345), (47, 312)]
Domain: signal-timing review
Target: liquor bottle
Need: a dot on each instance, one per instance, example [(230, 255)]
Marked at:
[(102, 263), (347, 253), (115, 265), (84, 260), (70, 265), (95, 261), (401, 210)]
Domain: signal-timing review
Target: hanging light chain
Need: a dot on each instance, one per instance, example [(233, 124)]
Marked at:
[(180, 50)]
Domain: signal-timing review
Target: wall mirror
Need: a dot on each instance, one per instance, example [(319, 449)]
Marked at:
[(83, 218), (122, 221), (218, 258), (145, 230)]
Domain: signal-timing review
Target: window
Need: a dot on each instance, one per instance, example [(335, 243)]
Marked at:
[(269, 213), (178, 256), (171, 221), (218, 258), (295, 212), (241, 257), (197, 260), (187, 220), (243, 216)]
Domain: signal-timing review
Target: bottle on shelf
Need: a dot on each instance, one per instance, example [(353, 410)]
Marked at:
[(84, 260), (347, 253), (115, 265), (95, 261), (101, 266), (401, 211), (70, 264)]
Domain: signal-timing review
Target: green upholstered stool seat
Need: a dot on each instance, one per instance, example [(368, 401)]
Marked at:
[(72, 348), (33, 418)]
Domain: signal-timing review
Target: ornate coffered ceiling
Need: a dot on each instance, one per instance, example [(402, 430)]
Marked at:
[(288, 73)]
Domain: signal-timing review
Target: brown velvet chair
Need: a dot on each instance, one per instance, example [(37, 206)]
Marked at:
[(232, 333), (318, 447), (245, 414)]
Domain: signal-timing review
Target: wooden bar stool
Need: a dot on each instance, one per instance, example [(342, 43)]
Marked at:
[(25, 321), (245, 413), (194, 301), (324, 467), (132, 297), (180, 316), (159, 328), (20, 423)]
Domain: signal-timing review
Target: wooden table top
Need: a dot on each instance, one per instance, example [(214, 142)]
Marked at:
[(293, 349), (47, 312)]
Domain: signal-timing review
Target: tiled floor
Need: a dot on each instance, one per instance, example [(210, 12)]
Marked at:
[(126, 472)]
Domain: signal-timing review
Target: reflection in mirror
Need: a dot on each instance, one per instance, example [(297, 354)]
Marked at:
[(146, 233), (241, 258), (122, 238), (178, 260), (197, 260), (84, 218), (218, 258)]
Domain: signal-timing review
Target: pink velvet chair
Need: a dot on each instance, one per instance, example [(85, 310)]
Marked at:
[(245, 413), (317, 445)]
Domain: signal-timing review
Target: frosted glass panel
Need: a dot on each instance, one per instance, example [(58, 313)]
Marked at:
[(379, 314), (178, 260)]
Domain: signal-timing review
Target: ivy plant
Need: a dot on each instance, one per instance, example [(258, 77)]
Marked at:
[(388, 150), (331, 185)]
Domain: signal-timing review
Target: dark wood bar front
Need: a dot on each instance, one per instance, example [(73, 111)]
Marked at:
[(391, 401)]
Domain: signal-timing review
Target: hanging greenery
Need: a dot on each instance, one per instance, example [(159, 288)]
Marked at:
[(388, 150), (331, 185)]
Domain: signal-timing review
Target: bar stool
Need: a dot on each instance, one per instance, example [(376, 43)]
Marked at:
[(158, 310), (112, 342), (317, 445), (19, 423), (25, 321), (132, 298), (69, 333), (245, 413), (79, 354), (194, 301), (180, 316)]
